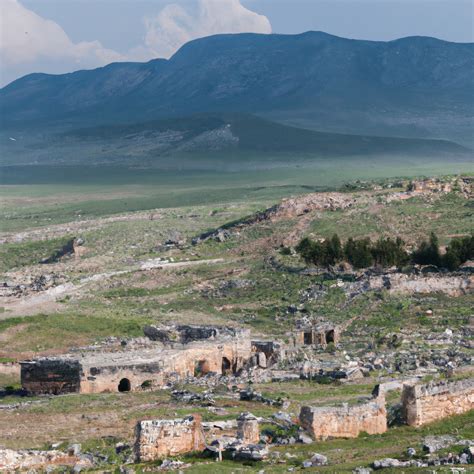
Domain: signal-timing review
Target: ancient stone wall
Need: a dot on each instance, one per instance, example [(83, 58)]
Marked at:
[(346, 421), (123, 371), (122, 378), (157, 439), (51, 376), (424, 404)]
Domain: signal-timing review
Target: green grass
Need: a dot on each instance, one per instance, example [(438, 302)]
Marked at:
[(63, 330), (28, 253)]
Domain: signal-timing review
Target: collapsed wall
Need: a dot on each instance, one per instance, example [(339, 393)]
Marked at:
[(157, 439), (345, 421), (424, 404)]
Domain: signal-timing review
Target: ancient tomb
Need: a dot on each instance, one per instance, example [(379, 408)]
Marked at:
[(157, 439), (423, 404), (319, 335), (346, 421), (151, 364)]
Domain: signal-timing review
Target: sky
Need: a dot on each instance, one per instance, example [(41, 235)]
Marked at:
[(59, 36)]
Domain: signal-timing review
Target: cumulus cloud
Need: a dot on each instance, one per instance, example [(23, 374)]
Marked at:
[(28, 42), (175, 26), (31, 43)]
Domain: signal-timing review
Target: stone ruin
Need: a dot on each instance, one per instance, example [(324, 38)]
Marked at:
[(346, 421), (248, 431), (319, 335), (157, 439), (422, 404), (198, 351)]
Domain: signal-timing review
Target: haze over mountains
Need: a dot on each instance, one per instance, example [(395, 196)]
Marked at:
[(414, 87)]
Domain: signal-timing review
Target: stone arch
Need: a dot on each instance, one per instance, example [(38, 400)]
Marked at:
[(330, 337), (226, 366), (124, 385)]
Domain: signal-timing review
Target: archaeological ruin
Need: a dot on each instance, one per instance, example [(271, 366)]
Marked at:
[(175, 353), (424, 404), (319, 335), (157, 439), (346, 421)]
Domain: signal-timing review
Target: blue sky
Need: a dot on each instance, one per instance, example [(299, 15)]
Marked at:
[(64, 35)]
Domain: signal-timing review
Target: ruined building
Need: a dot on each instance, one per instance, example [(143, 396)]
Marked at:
[(187, 351), (157, 439), (319, 335), (422, 404), (346, 421)]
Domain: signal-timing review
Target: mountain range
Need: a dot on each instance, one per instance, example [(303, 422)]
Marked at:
[(312, 77), (416, 87)]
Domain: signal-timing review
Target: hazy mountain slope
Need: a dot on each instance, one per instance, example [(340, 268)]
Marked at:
[(219, 137), (412, 84)]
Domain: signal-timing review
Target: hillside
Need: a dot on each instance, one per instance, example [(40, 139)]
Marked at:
[(410, 87), (241, 139)]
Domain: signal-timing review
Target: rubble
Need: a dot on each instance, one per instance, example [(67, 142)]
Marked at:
[(29, 460), (250, 395)]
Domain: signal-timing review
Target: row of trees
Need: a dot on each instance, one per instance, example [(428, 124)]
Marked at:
[(385, 252)]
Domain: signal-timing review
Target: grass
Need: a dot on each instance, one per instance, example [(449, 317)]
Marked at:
[(60, 331), (14, 255)]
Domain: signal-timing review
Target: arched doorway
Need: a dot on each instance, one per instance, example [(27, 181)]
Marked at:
[(330, 336), (226, 366), (201, 367), (124, 385)]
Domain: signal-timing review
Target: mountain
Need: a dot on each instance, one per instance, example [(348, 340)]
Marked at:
[(415, 86), (217, 138)]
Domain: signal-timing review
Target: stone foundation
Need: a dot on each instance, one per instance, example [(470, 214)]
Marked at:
[(424, 404), (157, 439), (346, 421)]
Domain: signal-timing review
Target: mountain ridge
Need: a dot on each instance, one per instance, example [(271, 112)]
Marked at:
[(408, 86)]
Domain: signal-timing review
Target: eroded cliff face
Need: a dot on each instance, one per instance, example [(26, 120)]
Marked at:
[(157, 439), (424, 404), (346, 421)]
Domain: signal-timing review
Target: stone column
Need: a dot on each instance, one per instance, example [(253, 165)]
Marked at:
[(248, 431)]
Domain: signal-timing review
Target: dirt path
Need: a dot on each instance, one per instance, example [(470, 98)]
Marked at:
[(47, 301), (59, 230)]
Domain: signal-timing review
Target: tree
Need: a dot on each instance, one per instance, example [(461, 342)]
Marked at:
[(388, 252), (428, 252), (460, 250), (358, 253)]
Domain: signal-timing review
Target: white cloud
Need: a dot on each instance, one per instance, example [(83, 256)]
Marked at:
[(31, 43), (28, 41), (175, 26)]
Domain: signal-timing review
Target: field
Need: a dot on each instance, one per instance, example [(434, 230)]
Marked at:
[(125, 216)]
